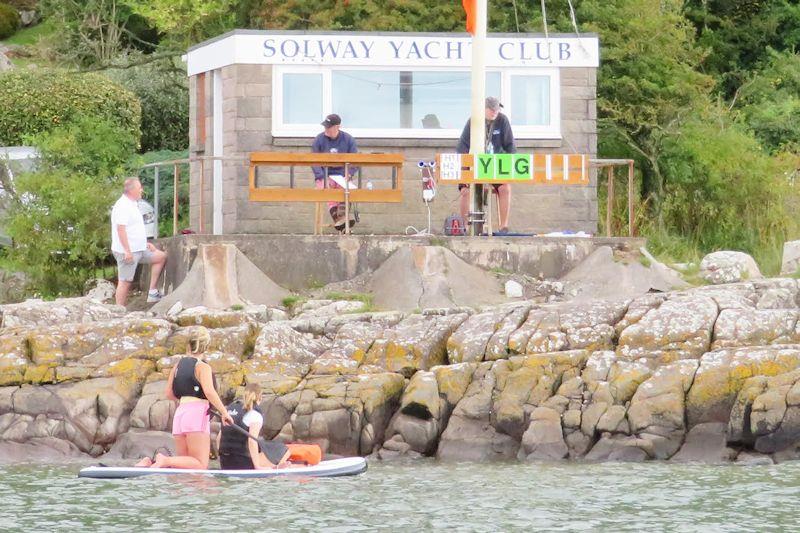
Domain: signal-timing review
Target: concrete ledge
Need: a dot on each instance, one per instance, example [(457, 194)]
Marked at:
[(301, 261)]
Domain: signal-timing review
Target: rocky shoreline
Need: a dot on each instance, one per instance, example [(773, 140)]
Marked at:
[(709, 374)]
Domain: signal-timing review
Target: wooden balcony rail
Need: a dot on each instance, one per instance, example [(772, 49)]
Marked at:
[(296, 194)]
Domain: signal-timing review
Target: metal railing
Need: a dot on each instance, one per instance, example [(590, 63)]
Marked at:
[(175, 164), (609, 165)]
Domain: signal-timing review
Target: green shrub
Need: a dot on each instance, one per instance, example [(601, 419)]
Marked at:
[(43, 99), (164, 95), (60, 218), (9, 21), (723, 191)]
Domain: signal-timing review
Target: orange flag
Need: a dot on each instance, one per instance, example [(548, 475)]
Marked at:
[(469, 8)]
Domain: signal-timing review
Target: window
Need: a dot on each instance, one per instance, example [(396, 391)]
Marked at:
[(421, 103), (367, 99), (442, 99), (405, 99), (530, 100), (303, 105)]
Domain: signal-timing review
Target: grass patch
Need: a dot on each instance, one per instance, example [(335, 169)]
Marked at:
[(645, 261), (366, 299), (500, 271), (315, 284), (237, 307), (30, 36), (291, 301), (691, 275), (437, 241), (350, 296)]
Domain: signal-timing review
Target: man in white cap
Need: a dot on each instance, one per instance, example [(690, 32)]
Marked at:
[(499, 140)]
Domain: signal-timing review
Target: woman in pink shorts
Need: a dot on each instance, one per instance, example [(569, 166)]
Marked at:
[(191, 383)]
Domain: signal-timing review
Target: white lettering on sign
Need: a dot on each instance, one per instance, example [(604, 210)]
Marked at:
[(450, 167), (375, 49)]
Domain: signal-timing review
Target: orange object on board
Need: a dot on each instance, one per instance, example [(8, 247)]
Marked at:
[(469, 9), (310, 454)]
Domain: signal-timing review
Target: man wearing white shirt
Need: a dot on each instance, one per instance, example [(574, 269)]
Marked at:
[(129, 243)]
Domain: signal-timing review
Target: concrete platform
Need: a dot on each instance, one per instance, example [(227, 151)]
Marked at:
[(298, 262)]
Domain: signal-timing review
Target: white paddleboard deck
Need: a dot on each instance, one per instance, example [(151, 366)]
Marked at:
[(348, 466)]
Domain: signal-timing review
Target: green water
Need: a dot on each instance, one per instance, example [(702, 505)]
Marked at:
[(415, 496)]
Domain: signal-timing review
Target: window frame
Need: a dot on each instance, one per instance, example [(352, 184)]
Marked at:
[(280, 129), (522, 131)]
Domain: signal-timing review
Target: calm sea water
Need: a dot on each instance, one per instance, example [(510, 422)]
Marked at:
[(415, 496)]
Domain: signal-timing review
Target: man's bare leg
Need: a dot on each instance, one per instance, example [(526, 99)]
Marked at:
[(463, 203), (504, 198), (121, 296), (159, 260)]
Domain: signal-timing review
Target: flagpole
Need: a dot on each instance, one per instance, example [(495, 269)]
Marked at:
[(477, 132)]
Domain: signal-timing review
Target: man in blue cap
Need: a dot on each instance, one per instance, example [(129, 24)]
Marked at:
[(334, 141)]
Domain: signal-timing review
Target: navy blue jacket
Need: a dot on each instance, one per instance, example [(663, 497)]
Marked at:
[(501, 135), (344, 143)]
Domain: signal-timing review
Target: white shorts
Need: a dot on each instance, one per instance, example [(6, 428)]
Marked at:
[(127, 270)]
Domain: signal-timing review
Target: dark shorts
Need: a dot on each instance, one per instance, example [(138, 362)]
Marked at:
[(235, 462), (496, 186)]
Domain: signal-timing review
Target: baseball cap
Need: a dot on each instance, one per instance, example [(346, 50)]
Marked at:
[(493, 103), (332, 120)]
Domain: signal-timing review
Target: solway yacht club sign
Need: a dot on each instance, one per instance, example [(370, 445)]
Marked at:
[(390, 49)]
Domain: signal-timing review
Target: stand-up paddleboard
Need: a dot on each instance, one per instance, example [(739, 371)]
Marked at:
[(348, 466)]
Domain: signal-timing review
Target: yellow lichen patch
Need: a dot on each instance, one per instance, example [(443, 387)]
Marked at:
[(272, 382), (453, 380), (46, 349), (397, 357), (334, 365), (158, 375), (222, 363), (39, 374), (377, 390), (12, 375), (509, 407), (625, 377), (723, 374), (12, 360), (213, 319), (228, 383), (72, 373), (130, 367)]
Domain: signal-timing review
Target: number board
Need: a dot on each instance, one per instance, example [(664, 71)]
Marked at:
[(542, 169)]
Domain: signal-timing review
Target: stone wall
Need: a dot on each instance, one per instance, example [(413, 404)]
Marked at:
[(298, 262), (708, 374), (247, 119)]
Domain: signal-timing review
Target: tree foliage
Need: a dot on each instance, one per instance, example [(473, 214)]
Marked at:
[(9, 21), (737, 36), (59, 219), (163, 92), (187, 22), (770, 102), (96, 32), (45, 99)]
